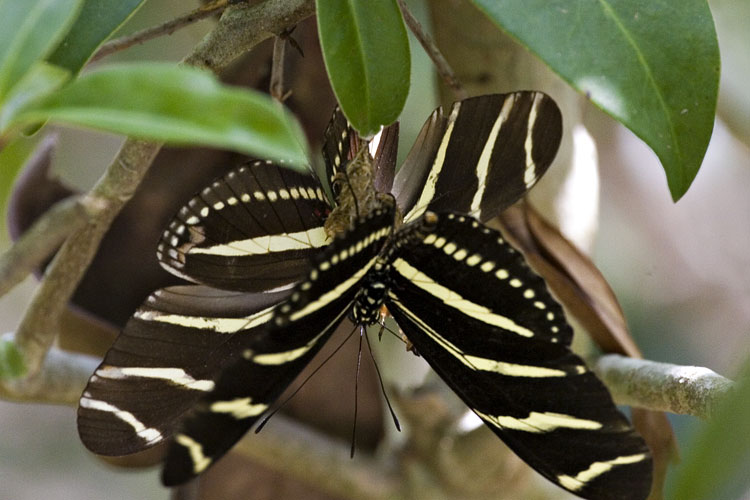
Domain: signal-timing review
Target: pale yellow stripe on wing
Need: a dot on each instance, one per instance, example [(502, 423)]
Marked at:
[(239, 408), (483, 165), (437, 166), (218, 325), (452, 299), (148, 434), (529, 173), (513, 369), (596, 469), (476, 362), (278, 358), (334, 294), (538, 422), (195, 449), (177, 376), (270, 243)]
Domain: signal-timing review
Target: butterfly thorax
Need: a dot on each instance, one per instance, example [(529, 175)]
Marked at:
[(356, 195), (371, 297)]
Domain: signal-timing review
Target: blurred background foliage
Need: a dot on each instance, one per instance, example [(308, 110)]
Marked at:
[(681, 271)]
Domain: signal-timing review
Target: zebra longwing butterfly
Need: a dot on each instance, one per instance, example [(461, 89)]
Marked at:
[(199, 365)]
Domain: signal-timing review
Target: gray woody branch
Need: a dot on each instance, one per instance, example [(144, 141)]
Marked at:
[(687, 390)]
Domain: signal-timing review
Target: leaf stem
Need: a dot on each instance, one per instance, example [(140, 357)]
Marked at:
[(441, 64)]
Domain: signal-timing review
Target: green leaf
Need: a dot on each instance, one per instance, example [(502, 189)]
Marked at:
[(38, 82), (160, 101), (651, 64), (13, 157), (96, 22), (29, 30), (366, 52), (716, 465), (11, 360)]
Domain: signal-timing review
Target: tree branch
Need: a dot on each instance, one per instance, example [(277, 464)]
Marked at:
[(286, 446), (43, 238), (687, 390), (242, 27)]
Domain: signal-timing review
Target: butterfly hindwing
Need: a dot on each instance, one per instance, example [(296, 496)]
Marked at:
[(164, 360), (300, 326), (489, 327), (252, 230), (481, 157)]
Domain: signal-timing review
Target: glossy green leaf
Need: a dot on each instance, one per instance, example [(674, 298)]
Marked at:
[(716, 465), (651, 64), (367, 57), (29, 30), (11, 360), (96, 22), (38, 82), (180, 105)]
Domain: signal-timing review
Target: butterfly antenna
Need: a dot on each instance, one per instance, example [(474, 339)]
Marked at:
[(356, 391), (265, 419), (382, 386)]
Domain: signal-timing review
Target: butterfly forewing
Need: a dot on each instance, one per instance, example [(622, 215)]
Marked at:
[(481, 157), (165, 359), (340, 144), (254, 229), (488, 326), (298, 329)]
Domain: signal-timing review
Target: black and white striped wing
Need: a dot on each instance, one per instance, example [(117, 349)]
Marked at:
[(488, 326), (480, 158), (165, 359), (300, 326), (255, 229)]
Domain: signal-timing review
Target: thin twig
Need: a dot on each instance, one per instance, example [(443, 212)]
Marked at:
[(43, 238), (276, 88), (40, 324), (441, 64), (687, 390), (166, 28)]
